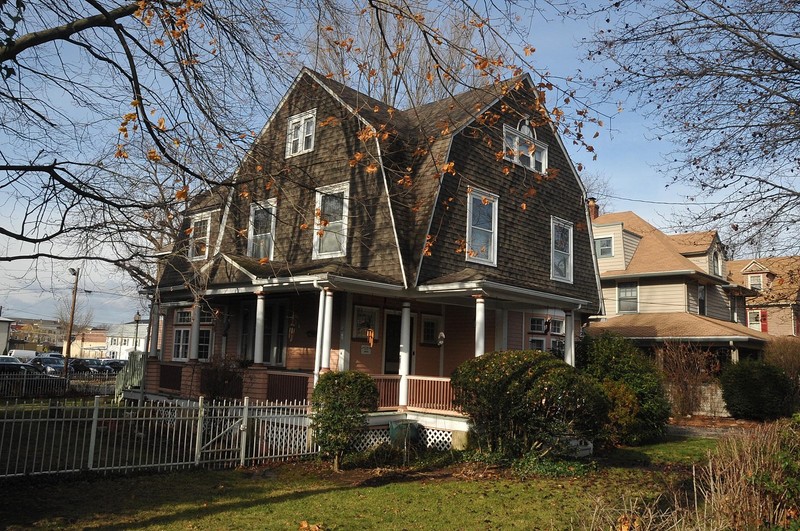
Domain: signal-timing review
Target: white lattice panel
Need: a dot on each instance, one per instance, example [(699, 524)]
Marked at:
[(371, 439), (438, 439)]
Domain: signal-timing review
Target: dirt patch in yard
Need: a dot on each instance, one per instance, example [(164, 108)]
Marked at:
[(703, 426)]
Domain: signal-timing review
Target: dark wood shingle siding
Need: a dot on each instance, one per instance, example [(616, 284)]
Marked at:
[(294, 181), (523, 254)]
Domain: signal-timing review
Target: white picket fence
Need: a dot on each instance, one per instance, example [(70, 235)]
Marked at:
[(52, 437)]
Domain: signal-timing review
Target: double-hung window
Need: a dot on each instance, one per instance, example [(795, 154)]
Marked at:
[(537, 325), (183, 331), (300, 133), (561, 250), (557, 326), (521, 149), (755, 281), (627, 297), (330, 221), (481, 227), (603, 247), (199, 232), (261, 233)]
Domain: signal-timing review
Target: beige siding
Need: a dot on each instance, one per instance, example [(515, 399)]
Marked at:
[(630, 242), (779, 321), (703, 262), (691, 298), (610, 299), (616, 262), (718, 304), (669, 296)]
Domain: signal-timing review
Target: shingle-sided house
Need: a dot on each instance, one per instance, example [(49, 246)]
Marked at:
[(775, 306), (397, 243), (659, 287)]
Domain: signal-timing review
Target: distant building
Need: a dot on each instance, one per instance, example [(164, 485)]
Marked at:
[(89, 343), (122, 339), (43, 335), (5, 334)]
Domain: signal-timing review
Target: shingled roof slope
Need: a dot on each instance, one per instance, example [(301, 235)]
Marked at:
[(694, 242), (677, 325), (785, 285)]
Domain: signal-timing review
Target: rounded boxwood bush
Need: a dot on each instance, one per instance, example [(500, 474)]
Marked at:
[(339, 407), (755, 390), (518, 401), (639, 404)]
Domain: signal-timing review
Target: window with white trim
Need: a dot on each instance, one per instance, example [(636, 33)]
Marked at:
[(536, 343), (557, 347), (603, 247), (537, 325), (481, 227), (180, 344), (716, 264), (522, 149), (755, 281), (300, 133), (199, 233), (261, 231), (330, 221), (431, 326), (627, 297), (556, 326), (561, 249), (754, 319)]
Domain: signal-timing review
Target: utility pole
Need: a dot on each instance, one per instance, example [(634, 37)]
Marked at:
[(76, 273)]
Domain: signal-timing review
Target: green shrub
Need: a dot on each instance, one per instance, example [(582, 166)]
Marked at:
[(639, 404), (756, 390), (340, 404), (519, 401), (784, 353)]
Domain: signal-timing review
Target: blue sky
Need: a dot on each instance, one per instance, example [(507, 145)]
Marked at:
[(626, 157)]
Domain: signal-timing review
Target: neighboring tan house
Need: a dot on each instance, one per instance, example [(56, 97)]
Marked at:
[(659, 287), (89, 343), (776, 281), (396, 243)]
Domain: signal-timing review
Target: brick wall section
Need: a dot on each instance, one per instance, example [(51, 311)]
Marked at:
[(152, 375), (255, 382), (190, 379)]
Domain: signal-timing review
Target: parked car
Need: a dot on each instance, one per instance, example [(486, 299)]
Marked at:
[(11, 365), (22, 354), (97, 367), (79, 365), (48, 365), (115, 365)]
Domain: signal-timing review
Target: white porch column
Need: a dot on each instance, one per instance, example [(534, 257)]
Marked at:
[(501, 330), (320, 333), (326, 332), (569, 337), (405, 352), (258, 343), (734, 353), (155, 322), (480, 326), (194, 338)]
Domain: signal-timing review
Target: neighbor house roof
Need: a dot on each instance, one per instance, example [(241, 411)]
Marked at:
[(656, 253), (694, 242), (783, 283), (678, 326)]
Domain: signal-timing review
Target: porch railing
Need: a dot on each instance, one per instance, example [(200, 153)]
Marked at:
[(388, 390), (288, 386), (428, 392)]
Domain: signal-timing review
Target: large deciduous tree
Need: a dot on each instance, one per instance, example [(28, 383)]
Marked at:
[(115, 114), (722, 79)]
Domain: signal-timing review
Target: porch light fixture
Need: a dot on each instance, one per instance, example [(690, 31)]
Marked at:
[(370, 336), (440, 340)]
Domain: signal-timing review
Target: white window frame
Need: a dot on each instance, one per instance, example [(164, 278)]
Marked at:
[(756, 321), (181, 341), (561, 344), (193, 237), (271, 207), (516, 149), (320, 231), (619, 289), (533, 325), (752, 285), (716, 264), (436, 322), (599, 250), (554, 253), (478, 256), (557, 327), (540, 342), (301, 133)]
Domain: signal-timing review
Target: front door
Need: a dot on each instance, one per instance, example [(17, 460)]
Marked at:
[(391, 352)]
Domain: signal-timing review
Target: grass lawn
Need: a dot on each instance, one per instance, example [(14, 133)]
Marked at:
[(282, 496)]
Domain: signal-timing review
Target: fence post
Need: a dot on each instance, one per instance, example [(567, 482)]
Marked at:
[(199, 442), (243, 430), (93, 435)]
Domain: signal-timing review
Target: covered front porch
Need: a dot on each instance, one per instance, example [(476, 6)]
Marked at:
[(273, 340)]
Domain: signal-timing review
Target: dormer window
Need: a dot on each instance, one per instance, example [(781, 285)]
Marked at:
[(521, 148), (716, 264), (198, 236), (261, 233), (755, 282), (300, 133)]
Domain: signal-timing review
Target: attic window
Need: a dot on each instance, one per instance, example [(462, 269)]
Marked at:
[(330, 227), (755, 281), (522, 149), (482, 227), (561, 250), (716, 267), (300, 133)]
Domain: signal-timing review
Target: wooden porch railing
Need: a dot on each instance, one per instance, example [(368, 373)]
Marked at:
[(429, 392), (289, 386), (388, 389)]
